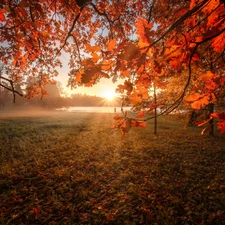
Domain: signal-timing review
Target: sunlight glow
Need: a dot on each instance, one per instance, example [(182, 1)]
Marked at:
[(109, 94)]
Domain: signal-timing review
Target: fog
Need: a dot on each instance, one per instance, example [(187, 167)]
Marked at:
[(29, 112)]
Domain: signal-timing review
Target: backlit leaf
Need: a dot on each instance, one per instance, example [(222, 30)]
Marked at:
[(92, 48), (218, 43), (112, 45), (140, 114)]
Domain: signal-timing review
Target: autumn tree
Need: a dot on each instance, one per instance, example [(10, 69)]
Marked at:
[(144, 42)]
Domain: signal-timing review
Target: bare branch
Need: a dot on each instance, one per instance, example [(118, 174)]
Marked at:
[(150, 10), (10, 89), (78, 49)]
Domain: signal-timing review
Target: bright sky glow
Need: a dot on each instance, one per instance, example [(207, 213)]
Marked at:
[(105, 88), (109, 94)]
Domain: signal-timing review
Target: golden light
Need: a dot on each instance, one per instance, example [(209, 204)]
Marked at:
[(109, 94)]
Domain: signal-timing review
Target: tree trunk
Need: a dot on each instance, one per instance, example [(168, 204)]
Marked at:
[(211, 110)]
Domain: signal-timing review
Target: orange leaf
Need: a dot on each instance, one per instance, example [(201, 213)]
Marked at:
[(192, 4), (200, 103), (45, 34), (212, 4), (218, 43), (141, 124), (194, 97), (208, 78), (117, 117), (95, 57), (112, 45), (135, 98), (143, 29), (124, 73), (92, 48), (106, 65), (140, 114), (79, 76)]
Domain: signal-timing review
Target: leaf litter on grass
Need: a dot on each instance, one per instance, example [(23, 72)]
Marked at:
[(78, 171)]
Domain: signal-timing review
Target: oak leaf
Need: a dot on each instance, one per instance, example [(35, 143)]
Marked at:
[(209, 79), (79, 75), (141, 124), (130, 51), (210, 6), (201, 102), (106, 65), (140, 114), (124, 73), (112, 45), (45, 34), (92, 48), (218, 43), (143, 30)]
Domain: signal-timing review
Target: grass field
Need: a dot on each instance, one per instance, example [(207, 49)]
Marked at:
[(72, 168)]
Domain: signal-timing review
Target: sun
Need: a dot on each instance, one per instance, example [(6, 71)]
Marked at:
[(109, 95)]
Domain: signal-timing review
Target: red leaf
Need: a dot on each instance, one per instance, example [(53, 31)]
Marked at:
[(2, 16), (141, 124), (220, 116), (221, 122), (140, 114)]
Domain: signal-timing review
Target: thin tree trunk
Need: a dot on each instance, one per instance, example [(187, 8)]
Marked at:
[(155, 112), (211, 110), (211, 105)]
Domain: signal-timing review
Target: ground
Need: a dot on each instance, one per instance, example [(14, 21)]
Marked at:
[(72, 168)]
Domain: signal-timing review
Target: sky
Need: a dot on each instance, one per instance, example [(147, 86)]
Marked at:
[(105, 88)]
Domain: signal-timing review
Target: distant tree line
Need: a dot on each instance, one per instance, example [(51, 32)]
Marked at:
[(53, 99)]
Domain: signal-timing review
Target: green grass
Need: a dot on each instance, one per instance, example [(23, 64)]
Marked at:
[(71, 168)]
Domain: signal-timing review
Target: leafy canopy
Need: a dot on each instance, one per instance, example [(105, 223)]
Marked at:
[(146, 42)]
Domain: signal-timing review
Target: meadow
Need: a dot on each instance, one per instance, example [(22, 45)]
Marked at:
[(72, 168)]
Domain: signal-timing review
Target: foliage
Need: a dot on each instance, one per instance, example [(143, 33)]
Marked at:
[(147, 43), (51, 174)]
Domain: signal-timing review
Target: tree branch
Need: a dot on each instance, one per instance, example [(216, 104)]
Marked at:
[(180, 21), (10, 89), (150, 11)]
